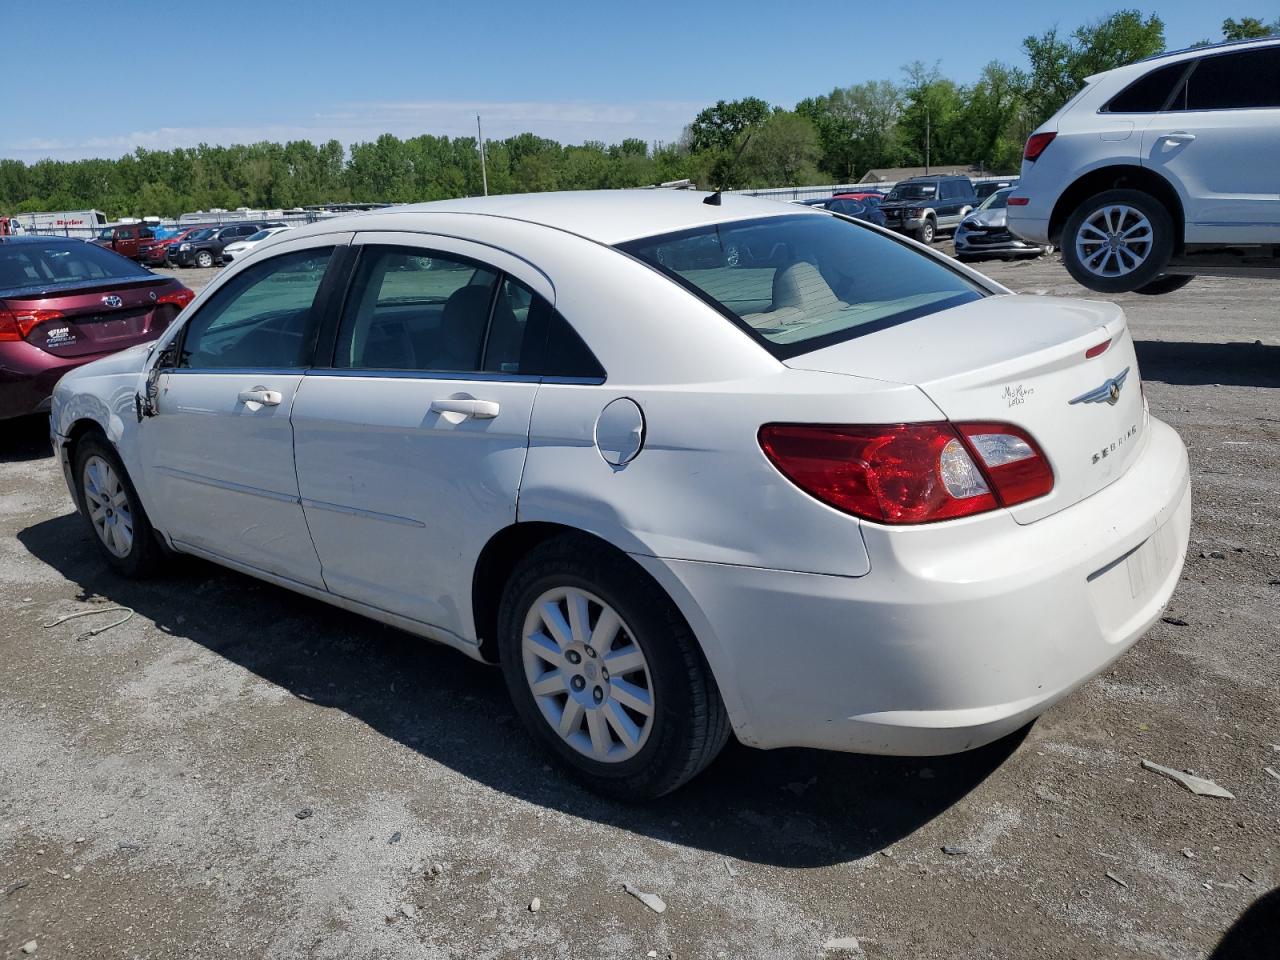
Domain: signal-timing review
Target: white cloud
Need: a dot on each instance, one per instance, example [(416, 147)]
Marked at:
[(566, 121)]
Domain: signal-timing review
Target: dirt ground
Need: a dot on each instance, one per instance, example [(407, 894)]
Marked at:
[(238, 771)]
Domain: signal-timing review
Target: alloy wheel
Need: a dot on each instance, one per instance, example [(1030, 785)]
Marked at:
[(108, 505), (588, 675), (1114, 240)]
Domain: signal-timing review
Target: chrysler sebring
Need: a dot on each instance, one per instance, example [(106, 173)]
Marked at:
[(683, 465)]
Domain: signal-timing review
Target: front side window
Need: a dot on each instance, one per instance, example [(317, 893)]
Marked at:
[(263, 318), (799, 282), (1234, 81), (33, 266)]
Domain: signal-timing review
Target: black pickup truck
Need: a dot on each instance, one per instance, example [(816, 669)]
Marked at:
[(923, 207)]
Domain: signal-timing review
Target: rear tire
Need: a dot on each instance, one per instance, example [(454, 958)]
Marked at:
[(552, 637), (110, 505), (1117, 241), (1166, 283)]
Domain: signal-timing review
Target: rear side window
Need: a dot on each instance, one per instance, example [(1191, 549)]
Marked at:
[(1235, 81), (801, 282), (1150, 92)]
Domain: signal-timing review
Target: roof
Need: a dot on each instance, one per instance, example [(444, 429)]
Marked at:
[(605, 216), (1211, 47)]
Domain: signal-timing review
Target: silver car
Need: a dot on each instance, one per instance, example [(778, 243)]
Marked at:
[(985, 232)]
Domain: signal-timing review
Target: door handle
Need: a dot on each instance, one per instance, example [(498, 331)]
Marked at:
[(1179, 136), (261, 396), (476, 409)]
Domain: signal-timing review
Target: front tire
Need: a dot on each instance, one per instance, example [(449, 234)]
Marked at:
[(1117, 241), (605, 673), (204, 259), (112, 509), (927, 231)]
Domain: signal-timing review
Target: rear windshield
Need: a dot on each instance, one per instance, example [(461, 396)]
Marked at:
[(997, 201), (260, 235), (39, 265), (801, 282)]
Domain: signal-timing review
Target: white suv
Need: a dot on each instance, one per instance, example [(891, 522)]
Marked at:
[(1161, 169)]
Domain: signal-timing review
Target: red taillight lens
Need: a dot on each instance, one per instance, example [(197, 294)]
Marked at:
[(1012, 461), (1097, 350), (17, 324), (182, 296), (908, 473), (892, 473), (1036, 144)]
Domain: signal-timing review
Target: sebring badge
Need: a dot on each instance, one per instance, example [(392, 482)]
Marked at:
[(112, 301), (1108, 392)]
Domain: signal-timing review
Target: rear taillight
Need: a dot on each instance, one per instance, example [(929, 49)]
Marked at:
[(908, 473), (182, 296), (17, 324), (1036, 144)]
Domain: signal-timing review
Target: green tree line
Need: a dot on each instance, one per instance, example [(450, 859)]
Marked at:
[(834, 137)]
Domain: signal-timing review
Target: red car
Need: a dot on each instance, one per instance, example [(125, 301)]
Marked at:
[(155, 252), (65, 302), (125, 239)]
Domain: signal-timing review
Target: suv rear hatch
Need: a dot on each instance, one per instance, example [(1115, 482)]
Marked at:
[(1030, 361)]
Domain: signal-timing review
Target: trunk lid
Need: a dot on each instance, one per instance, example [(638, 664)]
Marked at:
[(1021, 360), (88, 321)]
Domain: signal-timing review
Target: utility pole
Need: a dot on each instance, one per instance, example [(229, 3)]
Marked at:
[(484, 176)]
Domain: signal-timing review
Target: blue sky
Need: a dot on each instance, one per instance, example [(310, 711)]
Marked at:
[(102, 77)]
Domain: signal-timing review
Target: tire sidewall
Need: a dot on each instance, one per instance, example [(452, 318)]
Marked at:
[(201, 257), (1157, 259), (141, 554), (649, 630), (928, 232)]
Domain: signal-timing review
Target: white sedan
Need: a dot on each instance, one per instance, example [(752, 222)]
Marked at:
[(682, 467), (240, 249)]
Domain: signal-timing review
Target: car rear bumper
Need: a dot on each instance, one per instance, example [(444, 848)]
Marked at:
[(28, 376), (977, 245), (952, 640)]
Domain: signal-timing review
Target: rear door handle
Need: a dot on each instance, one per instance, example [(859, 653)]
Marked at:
[(476, 409), (261, 396), (1179, 136)]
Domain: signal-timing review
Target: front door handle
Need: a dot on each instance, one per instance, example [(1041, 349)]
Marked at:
[(475, 409), (261, 396), (1179, 136)]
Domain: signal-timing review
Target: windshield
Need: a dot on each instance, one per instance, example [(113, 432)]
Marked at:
[(202, 234), (913, 191), (801, 282), (997, 201), (39, 265), (107, 233)]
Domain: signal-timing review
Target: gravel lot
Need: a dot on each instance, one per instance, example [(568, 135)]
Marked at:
[(238, 771)]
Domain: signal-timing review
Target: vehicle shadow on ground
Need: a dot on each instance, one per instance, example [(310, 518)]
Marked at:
[(1194, 364), (24, 438), (792, 808)]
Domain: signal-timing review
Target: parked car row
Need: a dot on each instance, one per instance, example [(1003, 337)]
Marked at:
[(207, 247)]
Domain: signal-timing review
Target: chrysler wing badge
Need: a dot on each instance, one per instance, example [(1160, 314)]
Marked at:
[(1108, 392)]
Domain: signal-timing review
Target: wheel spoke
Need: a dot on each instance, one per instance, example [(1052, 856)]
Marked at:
[(570, 717), (550, 682), (554, 621), (606, 631), (623, 725), (97, 513), (579, 618), (1097, 258), (624, 661), (629, 695), (599, 730), (543, 647), (1102, 236)]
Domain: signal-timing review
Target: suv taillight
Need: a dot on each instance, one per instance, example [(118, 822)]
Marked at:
[(909, 473), (17, 324), (1036, 144)]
